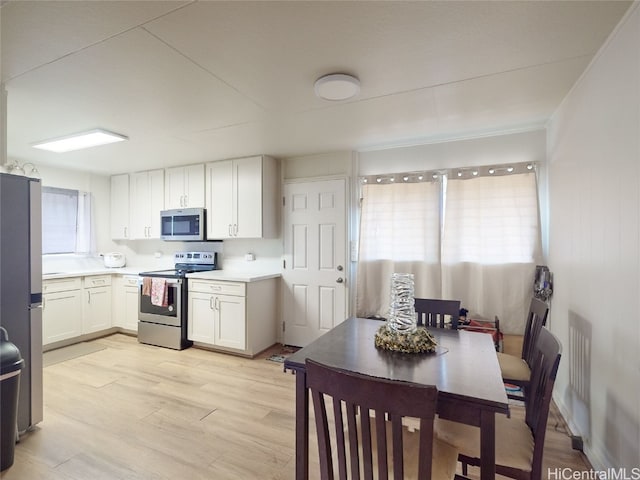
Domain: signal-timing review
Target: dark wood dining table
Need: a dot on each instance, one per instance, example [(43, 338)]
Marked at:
[(464, 368)]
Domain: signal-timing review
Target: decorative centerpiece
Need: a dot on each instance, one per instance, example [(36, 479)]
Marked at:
[(399, 333)]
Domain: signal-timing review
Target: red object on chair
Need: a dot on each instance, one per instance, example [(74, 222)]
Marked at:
[(485, 326)]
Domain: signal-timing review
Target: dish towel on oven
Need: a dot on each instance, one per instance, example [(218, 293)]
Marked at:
[(146, 286), (159, 292)]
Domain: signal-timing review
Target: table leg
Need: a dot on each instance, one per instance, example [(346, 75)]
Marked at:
[(302, 426), (487, 445)]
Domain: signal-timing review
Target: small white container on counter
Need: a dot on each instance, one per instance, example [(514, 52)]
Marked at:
[(114, 260)]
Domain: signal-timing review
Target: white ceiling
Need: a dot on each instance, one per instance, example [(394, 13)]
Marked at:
[(191, 82)]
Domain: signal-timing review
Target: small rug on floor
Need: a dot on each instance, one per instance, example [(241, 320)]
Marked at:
[(281, 356), (277, 358), (72, 351)]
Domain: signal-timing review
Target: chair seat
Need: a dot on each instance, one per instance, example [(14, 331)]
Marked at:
[(513, 368), (514, 440), (445, 456)]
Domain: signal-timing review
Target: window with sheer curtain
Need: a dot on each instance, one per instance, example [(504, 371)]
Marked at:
[(66, 221), (475, 239), (399, 232)]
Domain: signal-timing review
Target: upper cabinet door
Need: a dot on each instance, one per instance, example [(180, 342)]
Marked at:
[(146, 202), (194, 186), (156, 202), (242, 198), (219, 199), (247, 197), (139, 204), (120, 229), (174, 188), (184, 187)]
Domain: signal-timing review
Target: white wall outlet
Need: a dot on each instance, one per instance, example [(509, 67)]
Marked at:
[(157, 254), (249, 257)]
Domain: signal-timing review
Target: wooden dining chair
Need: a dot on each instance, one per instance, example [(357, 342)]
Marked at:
[(367, 417), (517, 370), (519, 442), (432, 312)]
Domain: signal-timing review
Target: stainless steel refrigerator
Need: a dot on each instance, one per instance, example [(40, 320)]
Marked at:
[(21, 285)]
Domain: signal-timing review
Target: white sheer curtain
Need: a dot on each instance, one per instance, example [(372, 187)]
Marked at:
[(66, 221), (399, 232), (484, 254), (491, 244)]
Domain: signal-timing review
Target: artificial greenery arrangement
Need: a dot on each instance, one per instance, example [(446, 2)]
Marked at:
[(417, 341)]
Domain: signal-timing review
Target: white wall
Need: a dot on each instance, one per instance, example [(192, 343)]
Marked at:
[(594, 180), (529, 146), (319, 165)]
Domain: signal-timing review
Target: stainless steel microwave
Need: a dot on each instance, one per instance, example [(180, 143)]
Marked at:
[(183, 224)]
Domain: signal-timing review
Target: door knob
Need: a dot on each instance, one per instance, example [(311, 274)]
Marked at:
[(339, 280), (339, 268)]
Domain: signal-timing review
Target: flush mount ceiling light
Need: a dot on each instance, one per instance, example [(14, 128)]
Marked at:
[(337, 86), (77, 141)]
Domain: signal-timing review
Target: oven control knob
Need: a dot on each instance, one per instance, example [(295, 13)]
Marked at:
[(171, 308)]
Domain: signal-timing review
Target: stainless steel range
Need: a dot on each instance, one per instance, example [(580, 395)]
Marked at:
[(162, 300)]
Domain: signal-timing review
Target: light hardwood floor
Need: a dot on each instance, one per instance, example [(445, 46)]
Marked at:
[(133, 411)]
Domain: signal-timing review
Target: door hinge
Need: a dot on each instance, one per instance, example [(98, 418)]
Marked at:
[(283, 201), (284, 264), (284, 327)]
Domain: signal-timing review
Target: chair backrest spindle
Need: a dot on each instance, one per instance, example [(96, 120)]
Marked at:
[(375, 443), (431, 312)]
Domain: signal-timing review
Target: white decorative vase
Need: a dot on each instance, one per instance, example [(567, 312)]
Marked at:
[(402, 312)]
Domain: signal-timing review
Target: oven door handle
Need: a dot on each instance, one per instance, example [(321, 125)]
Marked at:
[(170, 282)]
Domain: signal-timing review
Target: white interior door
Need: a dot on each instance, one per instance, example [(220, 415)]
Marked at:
[(314, 271)]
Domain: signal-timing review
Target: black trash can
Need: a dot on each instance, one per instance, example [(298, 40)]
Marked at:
[(11, 363)]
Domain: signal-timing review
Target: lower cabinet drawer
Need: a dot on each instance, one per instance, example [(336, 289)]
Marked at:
[(222, 288), (97, 281), (61, 285)]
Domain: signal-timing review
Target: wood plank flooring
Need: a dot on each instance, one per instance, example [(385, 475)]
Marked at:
[(133, 411)]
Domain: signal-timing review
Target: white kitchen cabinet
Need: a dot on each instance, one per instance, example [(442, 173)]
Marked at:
[(217, 312), (120, 229), (242, 198), (61, 309), (233, 316), (200, 326), (184, 187), (96, 311), (146, 201), (125, 302), (230, 322)]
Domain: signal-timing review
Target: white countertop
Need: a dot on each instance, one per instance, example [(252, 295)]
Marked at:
[(234, 275), (220, 275), (96, 271)]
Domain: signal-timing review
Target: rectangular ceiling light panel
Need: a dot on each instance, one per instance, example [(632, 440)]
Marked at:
[(91, 138)]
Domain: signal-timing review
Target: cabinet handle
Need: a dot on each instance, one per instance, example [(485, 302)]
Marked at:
[(230, 230), (125, 232), (186, 200), (235, 229), (182, 203), (211, 306), (216, 304), (89, 297), (43, 302)]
